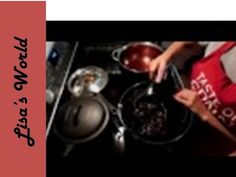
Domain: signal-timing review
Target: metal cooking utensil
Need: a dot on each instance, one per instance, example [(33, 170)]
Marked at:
[(89, 79), (150, 89)]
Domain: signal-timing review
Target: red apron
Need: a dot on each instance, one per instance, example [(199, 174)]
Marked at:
[(215, 89)]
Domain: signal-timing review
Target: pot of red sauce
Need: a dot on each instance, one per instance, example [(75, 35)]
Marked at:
[(136, 56)]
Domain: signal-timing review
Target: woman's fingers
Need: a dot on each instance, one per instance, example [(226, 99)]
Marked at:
[(190, 99), (180, 98), (153, 67), (185, 96), (161, 72), (157, 69)]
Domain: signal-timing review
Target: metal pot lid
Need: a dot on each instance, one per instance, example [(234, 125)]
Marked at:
[(89, 79), (81, 119)]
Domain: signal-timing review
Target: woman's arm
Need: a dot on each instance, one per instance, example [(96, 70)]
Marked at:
[(186, 49), (177, 48), (193, 102), (214, 122)]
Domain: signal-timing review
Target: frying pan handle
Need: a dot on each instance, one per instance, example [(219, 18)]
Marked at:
[(116, 54), (119, 140)]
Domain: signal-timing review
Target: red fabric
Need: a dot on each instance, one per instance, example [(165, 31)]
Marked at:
[(214, 88)]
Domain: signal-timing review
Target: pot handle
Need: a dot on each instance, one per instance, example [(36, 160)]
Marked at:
[(119, 140), (119, 135), (116, 54)]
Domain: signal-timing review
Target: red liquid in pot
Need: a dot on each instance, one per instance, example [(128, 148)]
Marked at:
[(138, 57)]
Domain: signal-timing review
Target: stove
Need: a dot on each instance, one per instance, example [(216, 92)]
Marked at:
[(99, 54)]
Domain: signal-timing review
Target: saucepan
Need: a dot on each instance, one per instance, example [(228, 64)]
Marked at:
[(90, 79), (136, 56)]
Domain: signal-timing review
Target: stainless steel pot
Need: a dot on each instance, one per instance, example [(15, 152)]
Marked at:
[(136, 56), (90, 79)]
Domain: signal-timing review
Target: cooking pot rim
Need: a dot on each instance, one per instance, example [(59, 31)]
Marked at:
[(146, 43), (164, 142)]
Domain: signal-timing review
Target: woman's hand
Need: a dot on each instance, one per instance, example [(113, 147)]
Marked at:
[(192, 101), (157, 68)]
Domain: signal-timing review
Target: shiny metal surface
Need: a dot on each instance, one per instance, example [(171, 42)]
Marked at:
[(89, 79)]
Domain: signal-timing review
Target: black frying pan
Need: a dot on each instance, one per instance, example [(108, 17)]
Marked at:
[(156, 119)]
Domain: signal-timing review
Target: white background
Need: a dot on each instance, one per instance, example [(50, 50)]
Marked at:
[(141, 10)]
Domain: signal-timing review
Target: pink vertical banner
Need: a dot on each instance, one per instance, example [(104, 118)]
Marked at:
[(22, 91)]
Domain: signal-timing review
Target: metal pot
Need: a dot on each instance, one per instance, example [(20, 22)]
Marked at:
[(81, 119), (155, 119), (136, 56), (90, 79)]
